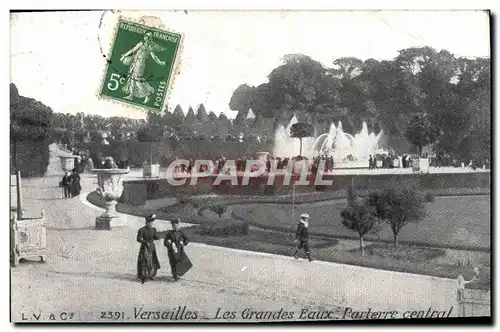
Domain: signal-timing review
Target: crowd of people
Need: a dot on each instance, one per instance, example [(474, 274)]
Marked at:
[(328, 160), (241, 163), (390, 161), (84, 161), (450, 161)]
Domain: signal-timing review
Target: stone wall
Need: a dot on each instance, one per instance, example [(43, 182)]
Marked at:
[(474, 303)]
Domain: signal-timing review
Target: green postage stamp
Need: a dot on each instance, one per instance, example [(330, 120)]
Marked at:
[(141, 65)]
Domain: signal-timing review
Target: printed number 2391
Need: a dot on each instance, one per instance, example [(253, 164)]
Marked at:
[(114, 81), (112, 315)]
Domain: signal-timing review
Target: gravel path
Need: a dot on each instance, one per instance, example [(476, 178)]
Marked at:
[(89, 271)]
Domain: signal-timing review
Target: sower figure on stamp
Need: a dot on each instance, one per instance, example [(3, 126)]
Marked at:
[(147, 262), (136, 58), (302, 236), (175, 241)]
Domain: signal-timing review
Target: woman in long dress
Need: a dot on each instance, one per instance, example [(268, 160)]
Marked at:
[(147, 261), (75, 186), (136, 58), (175, 241)]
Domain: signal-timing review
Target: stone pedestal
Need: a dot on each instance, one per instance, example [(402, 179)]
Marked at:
[(110, 188), (151, 171), (424, 165), (103, 223), (28, 238)]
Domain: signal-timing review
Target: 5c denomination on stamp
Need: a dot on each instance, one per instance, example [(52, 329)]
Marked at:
[(141, 64)]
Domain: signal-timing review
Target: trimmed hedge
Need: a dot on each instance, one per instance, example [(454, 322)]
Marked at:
[(33, 158), (218, 209), (429, 197), (223, 228)]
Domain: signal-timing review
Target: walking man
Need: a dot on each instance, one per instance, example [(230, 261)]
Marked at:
[(302, 236)]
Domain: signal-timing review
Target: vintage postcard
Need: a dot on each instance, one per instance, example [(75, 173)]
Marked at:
[(250, 166)]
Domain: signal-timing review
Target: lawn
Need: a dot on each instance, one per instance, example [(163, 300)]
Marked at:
[(409, 259), (450, 222)]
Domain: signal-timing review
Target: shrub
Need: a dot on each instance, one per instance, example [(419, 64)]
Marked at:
[(30, 127), (397, 208), (429, 197), (183, 200), (33, 158), (219, 209), (359, 217), (224, 228)]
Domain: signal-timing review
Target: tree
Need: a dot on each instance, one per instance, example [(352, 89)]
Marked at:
[(452, 115), (177, 117), (297, 83), (219, 209), (300, 130), (476, 146), (347, 67), (30, 121), (223, 117), (212, 117), (392, 93), (421, 131), (359, 217), (150, 133), (241, 100), (155, 118), (190, 118), (451, 91), (397, 208), (201, 114)]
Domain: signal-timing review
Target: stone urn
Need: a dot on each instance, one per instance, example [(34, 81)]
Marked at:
[(424, 165), (110, 182), (67, 162)]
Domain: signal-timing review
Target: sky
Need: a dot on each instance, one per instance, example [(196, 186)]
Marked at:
[(56, 56)]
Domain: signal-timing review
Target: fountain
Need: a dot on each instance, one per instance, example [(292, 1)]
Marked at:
[(343, 147), (286, 146)]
